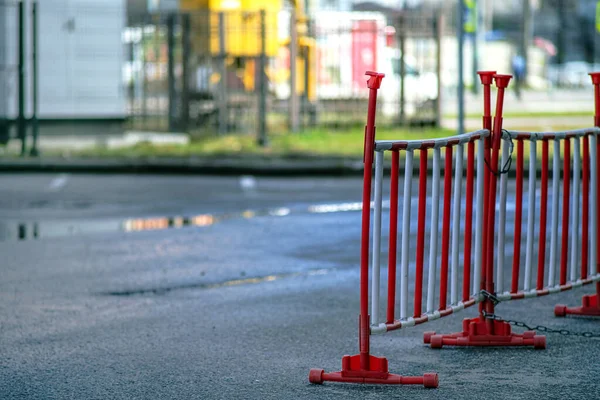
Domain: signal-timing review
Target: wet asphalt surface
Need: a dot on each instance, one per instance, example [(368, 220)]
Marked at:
[(237, 309)]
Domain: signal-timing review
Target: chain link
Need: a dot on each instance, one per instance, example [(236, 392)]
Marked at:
[(506, 167), (540, 328)]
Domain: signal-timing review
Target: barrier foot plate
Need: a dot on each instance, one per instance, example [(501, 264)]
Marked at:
[(476, 333), (589, 307), (377, 373)]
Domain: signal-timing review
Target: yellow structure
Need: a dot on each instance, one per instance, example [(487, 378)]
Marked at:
[(242, 35), (241, 25)]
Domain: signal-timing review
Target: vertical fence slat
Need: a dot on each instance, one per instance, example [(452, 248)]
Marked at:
[(421, 232), (468, 221), (585, 207), (575, 211), (434, 231), (543, 217), (405, 234), (479, 216), (530, 215), (376, 238), (458, 173), (446, 228), (502, 221), (393, 236), (555, 213), (514, 288), (594, 208), (565, 210)]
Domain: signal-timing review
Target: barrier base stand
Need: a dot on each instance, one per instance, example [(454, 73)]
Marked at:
[(476, 333), (376, 374), (589, 307)]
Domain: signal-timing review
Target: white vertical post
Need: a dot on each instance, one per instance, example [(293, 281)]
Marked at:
[(555, 213), (458, 173), (479, 216), (575, 255), (502, 221), (408, 167), (376, 238), (530, 215), (593, 204), (434, 232)]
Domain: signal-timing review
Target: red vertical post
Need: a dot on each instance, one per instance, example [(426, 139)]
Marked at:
[(446, 228), (487, 78), (585, 193), (421, 232), (596, 82), (514, 288), (468, 221), (501, 84), (393, 237), (565, 216), (543, 215), (373, 83)]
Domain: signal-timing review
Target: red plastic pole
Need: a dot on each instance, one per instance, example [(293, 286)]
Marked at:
[(468, 221), (446, 228), (518, 219), (543, 215), (597, 205), (373, 83), (486, 77), (421, 232), (596, 81), (501, 84), (565, 216), (585, 192), (393, 237)]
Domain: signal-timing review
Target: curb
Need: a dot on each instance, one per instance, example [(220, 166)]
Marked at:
[(211, 166)]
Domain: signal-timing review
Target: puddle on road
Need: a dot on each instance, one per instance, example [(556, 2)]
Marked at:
[(10, 231), (228, 283)]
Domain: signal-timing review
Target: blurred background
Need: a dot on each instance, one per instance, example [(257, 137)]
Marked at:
[(201, 69)]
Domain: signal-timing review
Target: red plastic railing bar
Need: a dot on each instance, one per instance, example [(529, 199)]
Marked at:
[(597, 203), (565, 216), (543, 217), (430, 143), (399, 324), (446, 228), (420, 233), (546, 291), (550, 135), (468, 220), (518, 219), (585, 193), (393, 239)]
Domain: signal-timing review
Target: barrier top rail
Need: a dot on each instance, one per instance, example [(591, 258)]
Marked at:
[(382, 145), (510, 134)]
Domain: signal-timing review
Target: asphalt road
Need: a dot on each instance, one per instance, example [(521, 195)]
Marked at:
[(240, 308)]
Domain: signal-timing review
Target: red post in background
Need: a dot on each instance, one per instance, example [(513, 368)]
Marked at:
[(487, 78), (590, 303)]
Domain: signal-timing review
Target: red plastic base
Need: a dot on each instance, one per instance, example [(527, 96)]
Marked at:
[(377, 373), (589, 307), (475, 333)]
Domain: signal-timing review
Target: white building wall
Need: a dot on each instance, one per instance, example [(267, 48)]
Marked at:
[(80, 59)]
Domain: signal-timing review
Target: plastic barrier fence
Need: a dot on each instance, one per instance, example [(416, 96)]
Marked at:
[(456, 241)]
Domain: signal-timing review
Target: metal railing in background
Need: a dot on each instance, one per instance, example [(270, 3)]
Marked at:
[(250, 72), (18, 72)]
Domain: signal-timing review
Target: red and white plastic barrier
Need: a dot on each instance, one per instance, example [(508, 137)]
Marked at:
[(455, 277)]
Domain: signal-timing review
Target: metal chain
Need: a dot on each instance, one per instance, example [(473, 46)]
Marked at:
[(540, 328), (506, 167)]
